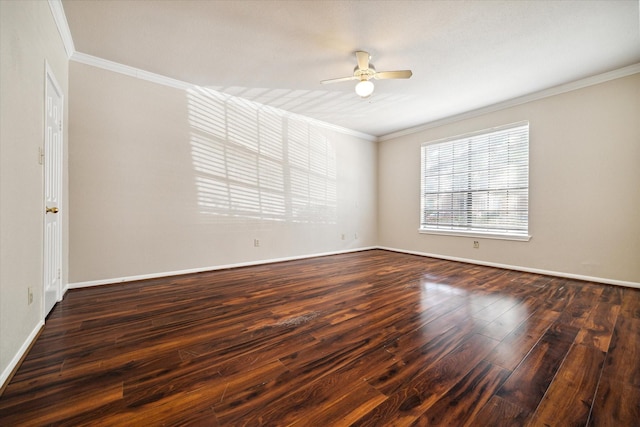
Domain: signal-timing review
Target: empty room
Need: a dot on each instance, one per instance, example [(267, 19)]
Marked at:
[(319, 213)]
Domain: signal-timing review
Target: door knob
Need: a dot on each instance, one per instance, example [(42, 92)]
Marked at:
[(52, 210)]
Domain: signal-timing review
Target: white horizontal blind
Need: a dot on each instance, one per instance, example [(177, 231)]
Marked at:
[(477, 183)]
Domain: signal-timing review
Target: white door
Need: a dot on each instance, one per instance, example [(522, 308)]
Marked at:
[(52, 189)]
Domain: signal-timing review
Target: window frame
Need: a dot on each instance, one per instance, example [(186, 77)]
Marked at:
[(476, 233)]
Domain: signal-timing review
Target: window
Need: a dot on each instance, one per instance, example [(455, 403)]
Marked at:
[(477, 184)]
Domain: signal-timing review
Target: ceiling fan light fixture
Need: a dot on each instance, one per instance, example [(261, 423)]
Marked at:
[(364, 88), (364, 72)]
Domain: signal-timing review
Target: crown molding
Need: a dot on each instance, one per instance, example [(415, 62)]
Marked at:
[(65, 33), (116, 67), (63, 26), (182, 85), (556, 90)]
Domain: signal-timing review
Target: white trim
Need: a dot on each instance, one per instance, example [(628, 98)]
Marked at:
[(205, 269), (63, 26), (91, 283), (556, 90), (25, 346), (519, 268), (116, 67), (49, 75), (477, 234), (20, 353)]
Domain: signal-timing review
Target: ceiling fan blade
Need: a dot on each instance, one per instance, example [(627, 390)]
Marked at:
[(338, 80), (403, 74), (363, 60)]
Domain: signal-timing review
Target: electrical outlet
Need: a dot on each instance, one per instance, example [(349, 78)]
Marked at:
[(343, 236), (30, 296), (256, 243), (476, 244), (355, 236)]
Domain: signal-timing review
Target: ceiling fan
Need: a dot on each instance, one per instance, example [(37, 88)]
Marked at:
[(365, 71)]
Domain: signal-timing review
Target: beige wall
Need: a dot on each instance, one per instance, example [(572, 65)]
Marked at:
[(584, 186), (147, 190), (28, 38)]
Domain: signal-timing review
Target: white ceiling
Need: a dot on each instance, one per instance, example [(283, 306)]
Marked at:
[(464, 54)]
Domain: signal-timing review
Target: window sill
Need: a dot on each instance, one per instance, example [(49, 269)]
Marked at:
[(477, 234)]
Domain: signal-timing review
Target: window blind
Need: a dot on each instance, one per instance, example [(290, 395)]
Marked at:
[(477, 183)]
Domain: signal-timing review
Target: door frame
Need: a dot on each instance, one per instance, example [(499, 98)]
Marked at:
[(50, 77)]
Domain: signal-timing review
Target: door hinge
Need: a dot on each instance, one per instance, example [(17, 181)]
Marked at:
[(40, 155), (59, 273)]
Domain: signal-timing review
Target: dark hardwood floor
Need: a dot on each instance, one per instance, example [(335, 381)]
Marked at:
[(370, 338)]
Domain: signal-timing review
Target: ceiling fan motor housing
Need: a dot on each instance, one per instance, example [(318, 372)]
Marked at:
[(364, 74)]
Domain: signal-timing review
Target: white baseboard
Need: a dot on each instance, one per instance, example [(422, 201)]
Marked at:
[(439, 256), (21, 352), (270, 261), (205, 269), (25, 346), (519, 268)]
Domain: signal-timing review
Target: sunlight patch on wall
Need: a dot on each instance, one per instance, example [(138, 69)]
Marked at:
[(256, 162)]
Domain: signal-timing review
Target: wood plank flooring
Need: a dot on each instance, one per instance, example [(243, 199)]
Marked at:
[(371, 338)]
